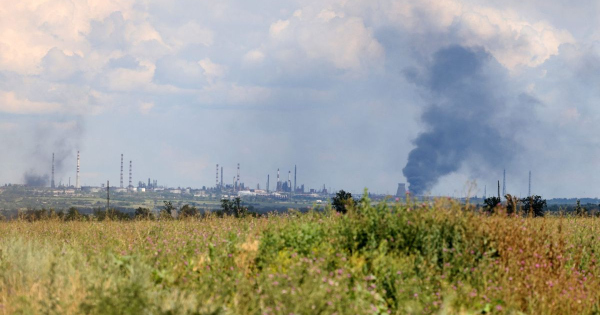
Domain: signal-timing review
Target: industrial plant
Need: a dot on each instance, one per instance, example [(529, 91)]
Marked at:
[(283, 189)]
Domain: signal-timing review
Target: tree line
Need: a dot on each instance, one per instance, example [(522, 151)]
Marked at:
[(168, 211)]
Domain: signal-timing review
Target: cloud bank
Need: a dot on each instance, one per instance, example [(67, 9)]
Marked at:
[(352, 92)]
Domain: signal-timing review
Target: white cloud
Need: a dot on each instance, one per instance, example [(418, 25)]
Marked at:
[(146, 107), (513, 40), (10, 103), (254, 56), (29, 28), (211, 69), (278, 27), (343, 41), (189, 33)]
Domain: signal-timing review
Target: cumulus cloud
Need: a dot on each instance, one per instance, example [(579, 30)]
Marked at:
[(345, 42), (10, 103), (304, 76)]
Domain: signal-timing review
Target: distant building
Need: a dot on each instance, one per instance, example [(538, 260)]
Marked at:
[(401, 192)]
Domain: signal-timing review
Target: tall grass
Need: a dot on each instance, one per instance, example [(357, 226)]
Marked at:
[(396, 258)]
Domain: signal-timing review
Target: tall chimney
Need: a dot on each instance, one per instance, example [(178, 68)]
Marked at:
[(529, 191), (278, 181), (238, 177), (217, 180), (221, 176), (294, 190), (121, 170), (52, 180), (499, 190), (130, 173), (77, 176), (289, 183), (268, 182)]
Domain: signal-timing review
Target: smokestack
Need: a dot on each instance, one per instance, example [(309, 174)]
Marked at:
[(221, 176), (504, 183), (217, 180), (121, 170), (130, 173), (295, 179), (52, 180), (268, 182), (278, 181), (499, 190), (77, 176), (238, 177), (289, 184), (529, 191)]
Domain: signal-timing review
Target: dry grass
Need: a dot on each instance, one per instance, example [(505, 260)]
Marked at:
[(397, 258)]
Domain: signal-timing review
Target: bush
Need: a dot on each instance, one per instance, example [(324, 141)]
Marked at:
[(143, 214), (188, 211), (534, 205), (341, 201)]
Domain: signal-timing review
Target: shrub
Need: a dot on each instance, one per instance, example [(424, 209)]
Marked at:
[(143, 214), (188, 211)]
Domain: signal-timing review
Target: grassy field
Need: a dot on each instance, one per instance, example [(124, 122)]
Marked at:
[(395, 258)]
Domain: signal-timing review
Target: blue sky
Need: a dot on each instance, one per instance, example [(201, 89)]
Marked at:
[(343, 89)]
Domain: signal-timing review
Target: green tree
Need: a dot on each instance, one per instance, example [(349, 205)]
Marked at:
[(534, 205), (233, 207), (342, 200), (73, 214), (167, 210), (143, 214), (188, 211), (490, 203), (579, 210)]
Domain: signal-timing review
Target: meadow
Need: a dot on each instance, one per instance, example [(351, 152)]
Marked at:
[(438, 257)]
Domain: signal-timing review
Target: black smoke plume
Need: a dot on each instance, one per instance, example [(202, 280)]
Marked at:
[(34, 180), (467, 90), (61, 138)]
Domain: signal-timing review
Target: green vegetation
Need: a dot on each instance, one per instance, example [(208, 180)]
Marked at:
[(438, 257)]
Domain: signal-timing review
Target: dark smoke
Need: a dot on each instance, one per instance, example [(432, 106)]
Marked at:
[(34, 180), (61, 138), (466, 87)]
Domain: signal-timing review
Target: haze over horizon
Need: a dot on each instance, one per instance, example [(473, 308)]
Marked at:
[(367, 93)]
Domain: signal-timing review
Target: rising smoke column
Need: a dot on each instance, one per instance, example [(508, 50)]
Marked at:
[(34, 180), (62, 138), (468, 93)]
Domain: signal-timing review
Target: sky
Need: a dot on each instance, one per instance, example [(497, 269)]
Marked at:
[(440, 94)]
